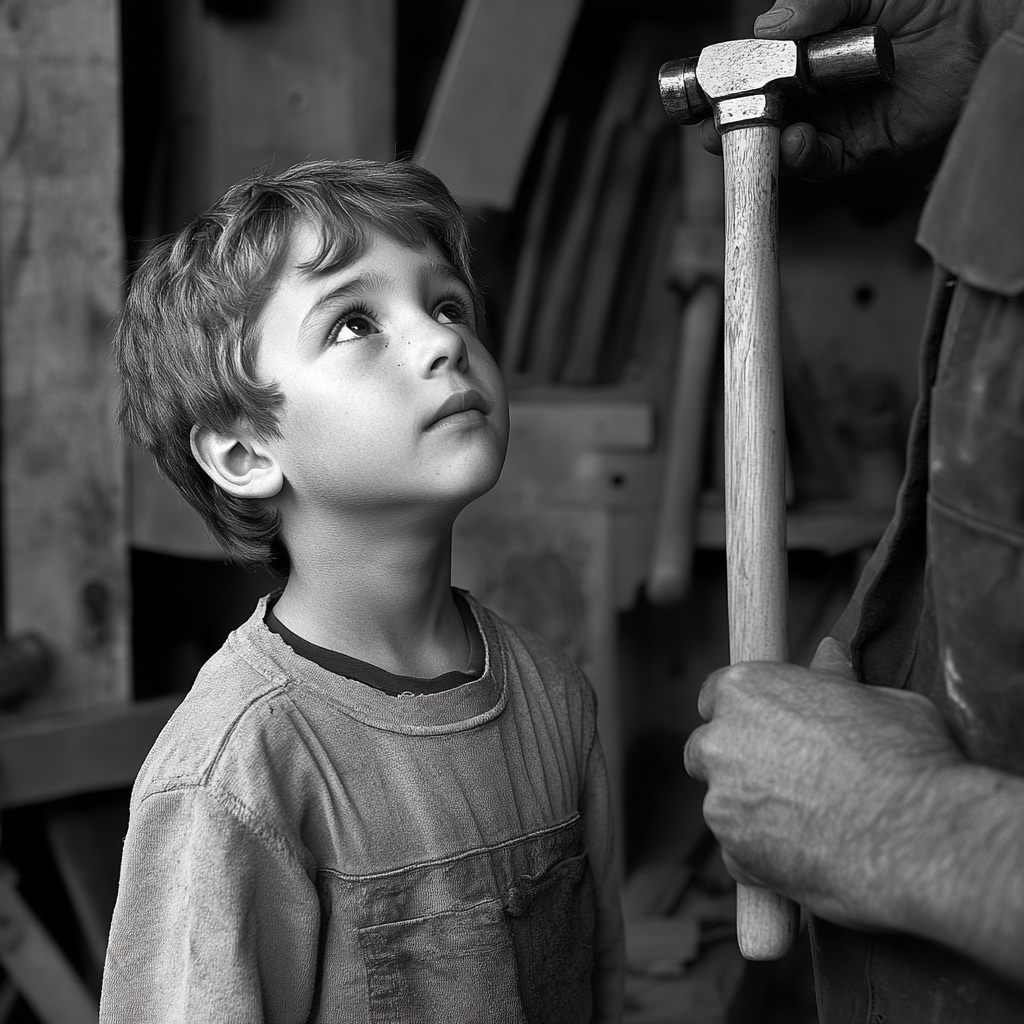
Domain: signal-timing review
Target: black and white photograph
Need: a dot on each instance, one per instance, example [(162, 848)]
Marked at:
[(511, 512)]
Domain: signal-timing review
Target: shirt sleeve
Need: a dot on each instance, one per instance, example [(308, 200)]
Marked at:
[(609, 939), (216, 918)]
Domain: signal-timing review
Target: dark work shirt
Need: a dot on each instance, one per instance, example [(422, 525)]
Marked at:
[(939, 609)]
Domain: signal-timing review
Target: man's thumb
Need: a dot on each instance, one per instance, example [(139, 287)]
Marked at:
[(832, 656), (796, 19)]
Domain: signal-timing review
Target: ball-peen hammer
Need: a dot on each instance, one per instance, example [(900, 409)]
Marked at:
[(743, 83)]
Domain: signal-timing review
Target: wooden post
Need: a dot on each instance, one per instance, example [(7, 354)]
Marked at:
[(311, 79), (61, 266), (36, 965)]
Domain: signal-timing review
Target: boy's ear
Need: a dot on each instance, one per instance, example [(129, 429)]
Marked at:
[(237, 463)]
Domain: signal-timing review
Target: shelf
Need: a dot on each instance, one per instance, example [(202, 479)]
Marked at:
[(832, 527)]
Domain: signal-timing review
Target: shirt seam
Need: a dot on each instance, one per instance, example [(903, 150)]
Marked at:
[(311, 691), (1003, 533), (375, 676), (278, 689), (455, 857), (248, 818)]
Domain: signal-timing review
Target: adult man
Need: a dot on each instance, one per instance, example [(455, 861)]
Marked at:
[(894, 812)]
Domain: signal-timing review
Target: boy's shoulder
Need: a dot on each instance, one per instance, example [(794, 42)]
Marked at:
[(242, 746), (227, 692)]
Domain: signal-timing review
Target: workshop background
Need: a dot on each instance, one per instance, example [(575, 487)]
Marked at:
[(598, 228)]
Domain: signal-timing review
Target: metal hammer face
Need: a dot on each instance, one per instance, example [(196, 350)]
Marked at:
[(742, 82)]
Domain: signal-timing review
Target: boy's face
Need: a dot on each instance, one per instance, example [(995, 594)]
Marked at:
[(390, 400)]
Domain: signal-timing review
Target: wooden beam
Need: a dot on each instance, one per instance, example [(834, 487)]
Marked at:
[(623, 103), (61, 267), (53, 756), (36, 965)]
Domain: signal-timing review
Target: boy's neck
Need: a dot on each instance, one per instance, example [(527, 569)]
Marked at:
[(385, 600)]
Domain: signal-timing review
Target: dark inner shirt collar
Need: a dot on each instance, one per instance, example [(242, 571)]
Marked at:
[(363, 672)]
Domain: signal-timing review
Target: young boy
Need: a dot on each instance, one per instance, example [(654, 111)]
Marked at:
[(379, 802)]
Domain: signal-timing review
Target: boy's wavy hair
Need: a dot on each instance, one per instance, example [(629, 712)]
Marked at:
[(187, 339)]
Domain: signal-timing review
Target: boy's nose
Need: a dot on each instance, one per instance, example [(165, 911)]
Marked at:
[(446, 349)]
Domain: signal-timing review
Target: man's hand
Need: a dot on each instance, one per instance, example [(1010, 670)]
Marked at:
[(809, 773), (938, 45), (854, 801)]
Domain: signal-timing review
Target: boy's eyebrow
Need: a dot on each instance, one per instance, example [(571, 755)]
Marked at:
[(443, 272), (373, 280), (370, 281)]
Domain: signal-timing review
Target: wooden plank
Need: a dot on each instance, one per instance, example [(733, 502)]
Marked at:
[(86, 839), (699, 338), (52, 756), (624, 100), (698, 260), (621, 254), (515, 339), (61, 264), (599, 297), (36, 965), (494, 87)]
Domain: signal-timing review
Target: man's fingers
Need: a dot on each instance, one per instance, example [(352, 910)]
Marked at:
[(796, 19), (832, 656), (707, 696), (737, 872), (709, 137), (691, 756), (809, 154)]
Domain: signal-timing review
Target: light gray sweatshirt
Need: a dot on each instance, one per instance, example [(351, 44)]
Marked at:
[(303, 847)]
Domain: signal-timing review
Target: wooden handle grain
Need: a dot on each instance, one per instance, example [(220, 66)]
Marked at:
[(755, 456)]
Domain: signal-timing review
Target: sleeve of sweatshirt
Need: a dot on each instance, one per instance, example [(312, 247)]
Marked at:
[(217, 920), (609, 940)]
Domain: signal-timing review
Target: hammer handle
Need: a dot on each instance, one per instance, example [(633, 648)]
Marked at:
[(755, 456)]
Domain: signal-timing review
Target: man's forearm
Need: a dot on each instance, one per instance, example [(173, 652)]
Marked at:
[(958, 878)]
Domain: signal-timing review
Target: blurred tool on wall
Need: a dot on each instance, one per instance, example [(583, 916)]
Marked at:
[(698, 258)]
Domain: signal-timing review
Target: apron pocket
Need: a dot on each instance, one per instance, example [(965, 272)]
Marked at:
[(452, 968), (552, 918)]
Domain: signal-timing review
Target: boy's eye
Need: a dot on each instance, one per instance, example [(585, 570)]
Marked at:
[(352, 325), (452, 312)]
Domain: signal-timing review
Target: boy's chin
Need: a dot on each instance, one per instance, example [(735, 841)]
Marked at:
[(475, 486), (478, 487)]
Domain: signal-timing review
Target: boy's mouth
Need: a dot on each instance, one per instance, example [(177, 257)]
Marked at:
[(461, 402)]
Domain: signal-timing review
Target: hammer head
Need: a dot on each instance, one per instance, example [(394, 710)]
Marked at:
[(744, 66), (743, 81)]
